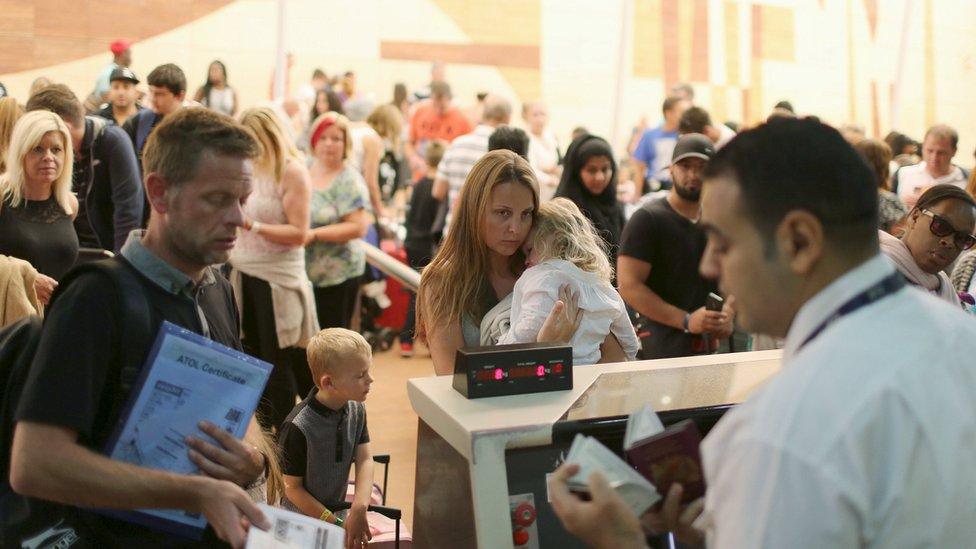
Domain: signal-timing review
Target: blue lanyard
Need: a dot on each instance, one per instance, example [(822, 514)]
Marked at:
[(883, 288)]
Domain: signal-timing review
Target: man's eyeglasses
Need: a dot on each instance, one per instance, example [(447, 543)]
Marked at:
[(941, 227)]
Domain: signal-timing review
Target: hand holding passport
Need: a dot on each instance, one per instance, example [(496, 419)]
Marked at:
[(656, 458)]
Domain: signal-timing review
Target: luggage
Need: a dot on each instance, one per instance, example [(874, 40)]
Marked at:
[(385, 525)]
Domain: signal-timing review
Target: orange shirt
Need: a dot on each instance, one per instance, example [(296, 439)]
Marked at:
[(427, 125)]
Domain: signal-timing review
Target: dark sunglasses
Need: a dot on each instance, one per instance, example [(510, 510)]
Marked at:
[(941, 227)]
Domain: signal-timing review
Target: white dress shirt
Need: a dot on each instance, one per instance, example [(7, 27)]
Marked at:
[(867, 436), (913, 180), (604, 312), (543, 155)]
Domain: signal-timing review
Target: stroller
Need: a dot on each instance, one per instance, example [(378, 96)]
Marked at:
[(383, 308)]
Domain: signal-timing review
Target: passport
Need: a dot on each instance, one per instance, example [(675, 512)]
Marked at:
[(671, 456)]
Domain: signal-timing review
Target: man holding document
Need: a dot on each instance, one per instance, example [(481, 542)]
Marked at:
[(865, 438), (197, 172)]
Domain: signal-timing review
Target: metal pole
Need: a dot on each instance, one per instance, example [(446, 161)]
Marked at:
[(281, 64), (626, 30), (896, 91)]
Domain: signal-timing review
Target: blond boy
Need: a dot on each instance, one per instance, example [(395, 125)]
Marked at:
[(326, 433)]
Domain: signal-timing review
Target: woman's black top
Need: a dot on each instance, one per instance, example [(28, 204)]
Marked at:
[(41, 233)]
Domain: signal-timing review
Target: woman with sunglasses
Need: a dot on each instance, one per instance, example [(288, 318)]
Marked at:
[(938, 228)]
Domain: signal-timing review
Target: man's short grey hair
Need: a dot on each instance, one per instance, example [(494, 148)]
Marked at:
[(943, 132), (358, 109), (497, 109)]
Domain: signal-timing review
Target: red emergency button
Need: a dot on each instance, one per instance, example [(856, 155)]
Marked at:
[(524, 514), (520, 537)]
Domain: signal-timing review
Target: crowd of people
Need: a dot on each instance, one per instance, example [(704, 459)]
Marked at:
[(244, 224)]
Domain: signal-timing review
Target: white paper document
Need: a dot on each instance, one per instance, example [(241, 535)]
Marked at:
[(187, 379), (641, 425), (291, 530), (591, 455)]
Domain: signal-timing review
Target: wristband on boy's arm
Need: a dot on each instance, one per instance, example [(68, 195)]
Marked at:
[(326, 514)]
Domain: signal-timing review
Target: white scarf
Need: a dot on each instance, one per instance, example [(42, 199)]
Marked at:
[(898, 252)]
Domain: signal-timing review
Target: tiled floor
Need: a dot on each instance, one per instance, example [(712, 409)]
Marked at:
[(393, 424)]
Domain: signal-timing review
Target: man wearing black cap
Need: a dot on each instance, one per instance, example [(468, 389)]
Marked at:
[(122, 97), (657, 266)]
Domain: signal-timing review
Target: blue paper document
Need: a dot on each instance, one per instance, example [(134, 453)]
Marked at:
[(187, 379)]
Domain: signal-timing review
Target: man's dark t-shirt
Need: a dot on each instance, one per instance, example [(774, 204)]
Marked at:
[(76, 376), (674, 246)]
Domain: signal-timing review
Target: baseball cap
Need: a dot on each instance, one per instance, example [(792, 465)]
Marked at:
[(123, 73), (119, 46), (693, 145)]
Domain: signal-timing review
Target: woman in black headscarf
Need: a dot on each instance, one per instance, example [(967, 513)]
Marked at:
[(590, 180)]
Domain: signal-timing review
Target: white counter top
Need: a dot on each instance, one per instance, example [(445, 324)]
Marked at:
[(528, 419)]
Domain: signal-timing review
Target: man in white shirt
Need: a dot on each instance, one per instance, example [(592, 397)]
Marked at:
[(866, 436), (466, 150), (938, 148)]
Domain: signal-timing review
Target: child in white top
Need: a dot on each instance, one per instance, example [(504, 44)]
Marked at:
[(564, 248)]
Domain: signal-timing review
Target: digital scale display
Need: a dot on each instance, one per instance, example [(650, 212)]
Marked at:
[(503, 370), (501, 374)]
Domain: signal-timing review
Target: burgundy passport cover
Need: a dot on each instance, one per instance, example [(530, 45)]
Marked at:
[(671, 456)]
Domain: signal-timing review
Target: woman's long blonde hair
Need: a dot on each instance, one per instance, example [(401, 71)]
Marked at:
[(561, 231), (10, 112), (387, 120), (276, 147), (453, 284), (28, 132)]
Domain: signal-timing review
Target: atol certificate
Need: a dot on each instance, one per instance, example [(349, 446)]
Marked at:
[(187, 379)]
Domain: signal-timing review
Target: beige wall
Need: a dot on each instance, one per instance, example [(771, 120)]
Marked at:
[(820, 54)]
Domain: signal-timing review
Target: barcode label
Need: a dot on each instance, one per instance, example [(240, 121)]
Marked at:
[(281, 530), (234, 415)]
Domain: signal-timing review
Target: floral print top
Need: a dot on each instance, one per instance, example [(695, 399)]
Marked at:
[(328, 263), (891, 210)]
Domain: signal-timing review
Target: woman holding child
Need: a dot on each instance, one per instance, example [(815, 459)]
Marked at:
[(481, 260)]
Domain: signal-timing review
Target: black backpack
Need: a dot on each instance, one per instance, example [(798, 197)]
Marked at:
[(23, 519), (17, 345)]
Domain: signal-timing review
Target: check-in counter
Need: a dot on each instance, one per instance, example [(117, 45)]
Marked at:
[(481, 464)]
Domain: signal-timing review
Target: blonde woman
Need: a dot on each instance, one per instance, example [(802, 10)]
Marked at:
[(37, 208), (387, 121), (10, 112), (565, 249), (273, 292), (481, 259), (335, 261)]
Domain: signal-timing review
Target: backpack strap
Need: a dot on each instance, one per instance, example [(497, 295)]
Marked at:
[(136, 318), (894, 180), (98, 127), (18, 342), (144, 126)]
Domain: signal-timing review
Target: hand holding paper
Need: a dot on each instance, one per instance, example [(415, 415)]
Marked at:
[(290, 530), (592, 457), (660, 461), (603, 521), (232, 460)]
